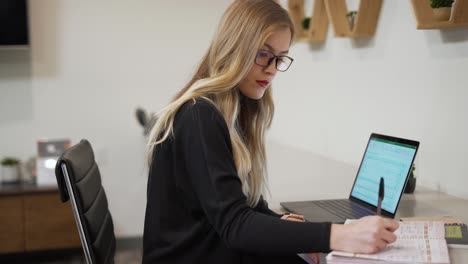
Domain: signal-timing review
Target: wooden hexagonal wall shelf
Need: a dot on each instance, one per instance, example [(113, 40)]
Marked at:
[(364, 21), (318, 25), (425, 15)]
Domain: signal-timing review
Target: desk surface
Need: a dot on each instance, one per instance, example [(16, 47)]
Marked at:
[(425, 202)]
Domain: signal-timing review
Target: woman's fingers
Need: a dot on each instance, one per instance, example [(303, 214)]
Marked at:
[(315, 257), (388, 237), (293, 217), (391, 224), (366, 235)]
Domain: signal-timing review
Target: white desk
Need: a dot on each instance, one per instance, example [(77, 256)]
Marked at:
[(425, 202)]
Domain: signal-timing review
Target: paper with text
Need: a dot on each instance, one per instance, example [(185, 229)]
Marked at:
[(417, 242)]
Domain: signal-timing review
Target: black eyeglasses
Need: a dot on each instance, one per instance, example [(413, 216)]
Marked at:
[(264, 58)]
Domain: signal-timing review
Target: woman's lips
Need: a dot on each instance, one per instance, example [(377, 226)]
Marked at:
[(263, 83)]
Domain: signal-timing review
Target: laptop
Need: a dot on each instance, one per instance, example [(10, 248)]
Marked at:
[(385, 156)]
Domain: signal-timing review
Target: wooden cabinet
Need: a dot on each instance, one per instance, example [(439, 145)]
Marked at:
[(34, 219), (48, 223), (11, 227)]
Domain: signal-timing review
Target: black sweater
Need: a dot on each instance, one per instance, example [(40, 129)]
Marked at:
[(196, 211)]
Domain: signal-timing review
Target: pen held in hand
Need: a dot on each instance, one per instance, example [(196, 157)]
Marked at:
[(381, 196)]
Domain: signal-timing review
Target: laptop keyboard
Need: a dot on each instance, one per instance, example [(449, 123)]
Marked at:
[(344, 208)]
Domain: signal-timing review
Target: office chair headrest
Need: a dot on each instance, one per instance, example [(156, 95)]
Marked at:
[(78, 157)]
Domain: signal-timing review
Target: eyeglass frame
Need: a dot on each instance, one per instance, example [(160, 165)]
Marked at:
[(274, 58)]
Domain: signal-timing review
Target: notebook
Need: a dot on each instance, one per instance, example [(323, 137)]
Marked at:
[(385, 156), (417, 242), (456, 232)]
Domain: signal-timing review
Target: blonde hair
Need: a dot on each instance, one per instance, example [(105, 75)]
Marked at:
[(243, 29)]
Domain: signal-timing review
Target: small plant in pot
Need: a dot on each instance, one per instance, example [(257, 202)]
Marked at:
[(351, 18), (411, 185), (441, 9), (305, 23), (10, 170)]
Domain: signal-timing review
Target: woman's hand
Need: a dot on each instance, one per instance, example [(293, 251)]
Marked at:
[(293, 217), (367, 235), (300, 218)]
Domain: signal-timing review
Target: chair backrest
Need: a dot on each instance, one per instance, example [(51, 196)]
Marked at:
[(79, 181)]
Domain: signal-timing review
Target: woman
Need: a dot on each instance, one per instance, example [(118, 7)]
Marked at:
[(208, 165)]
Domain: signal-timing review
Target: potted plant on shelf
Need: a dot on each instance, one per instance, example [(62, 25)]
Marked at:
[(305, 23), (411, 185), (441, 9), (10, 170), (351, 19)]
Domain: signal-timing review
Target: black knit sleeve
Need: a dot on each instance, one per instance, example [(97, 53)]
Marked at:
[(204, 144), (263, 208)]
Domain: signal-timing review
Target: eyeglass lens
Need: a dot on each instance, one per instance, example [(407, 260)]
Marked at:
[(265, 58)]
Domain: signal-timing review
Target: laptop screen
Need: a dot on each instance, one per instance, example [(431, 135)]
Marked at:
[(385, 158)]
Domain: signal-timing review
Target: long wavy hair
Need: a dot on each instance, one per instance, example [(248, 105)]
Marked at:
[(243, 29)]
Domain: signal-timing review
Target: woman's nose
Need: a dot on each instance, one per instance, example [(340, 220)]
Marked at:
[(271, 69)]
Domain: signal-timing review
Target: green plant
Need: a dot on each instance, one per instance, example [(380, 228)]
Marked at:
[(306, 23), (351, 18), (441, 3), (412, 171), (9, 161), (351, 14), (411, 185)]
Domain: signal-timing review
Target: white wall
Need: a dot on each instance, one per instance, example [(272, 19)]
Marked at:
[(403, 82), (94, 62)]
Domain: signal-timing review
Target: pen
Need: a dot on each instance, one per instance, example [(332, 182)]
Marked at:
[(381, 196)]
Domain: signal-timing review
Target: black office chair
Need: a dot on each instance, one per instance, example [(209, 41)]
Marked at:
[(79, 180)]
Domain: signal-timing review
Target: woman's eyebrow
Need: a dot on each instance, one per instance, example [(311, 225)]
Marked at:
[(272, 49)]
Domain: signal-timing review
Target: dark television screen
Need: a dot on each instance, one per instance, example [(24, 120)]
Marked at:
[(13, 22)]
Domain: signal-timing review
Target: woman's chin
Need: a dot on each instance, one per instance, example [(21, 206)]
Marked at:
[(257, 94)]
